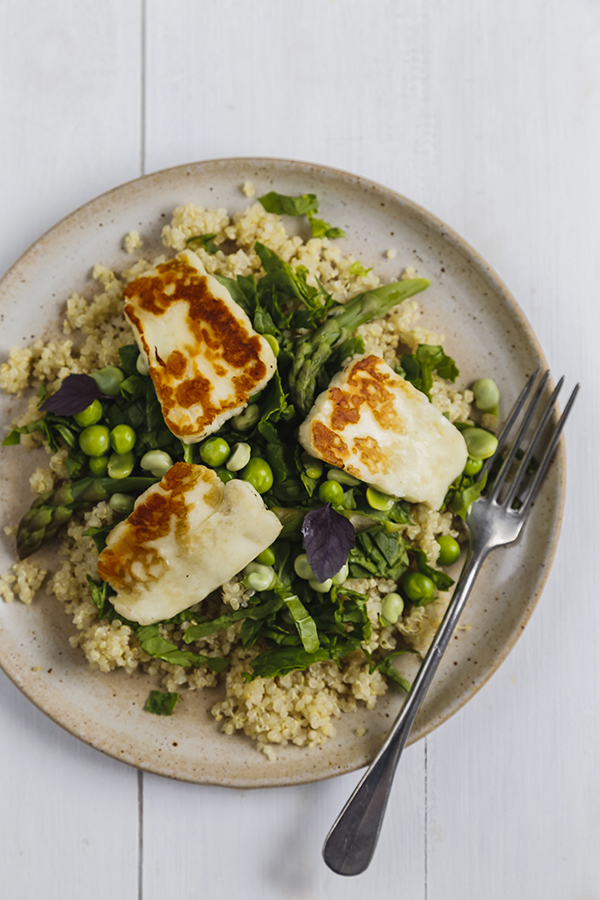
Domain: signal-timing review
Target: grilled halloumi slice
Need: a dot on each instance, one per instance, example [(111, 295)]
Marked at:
[(186, 536), (204, 357), (381, 429)]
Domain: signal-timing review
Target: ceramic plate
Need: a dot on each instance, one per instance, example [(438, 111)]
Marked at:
[(485, 331)]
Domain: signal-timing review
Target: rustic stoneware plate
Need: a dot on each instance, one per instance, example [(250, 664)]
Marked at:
[(485, 332)]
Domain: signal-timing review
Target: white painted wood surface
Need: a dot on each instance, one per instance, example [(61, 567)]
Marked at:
[(487, 113)]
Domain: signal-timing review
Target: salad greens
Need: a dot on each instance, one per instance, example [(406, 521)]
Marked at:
[(292, 624), (161, 703), (306, 205)]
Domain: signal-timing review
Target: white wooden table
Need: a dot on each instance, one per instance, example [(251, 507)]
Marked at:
[(488, 114)]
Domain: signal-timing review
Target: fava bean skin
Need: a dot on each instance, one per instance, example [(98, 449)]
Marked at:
[(392, 606), (377, 500), (481, 444), (90, 415), (259, 474), (342, 477), (302, 568), (259, 577), (157, 462), (95, 440), (109, 380), (214, 452), (449, 550), (487, 395), (240, 457), (121, 503), (417, 586), (321, 587), (120, 465), (247, 419), (122, 438), (331, 492), (341, 576), (141, 365)]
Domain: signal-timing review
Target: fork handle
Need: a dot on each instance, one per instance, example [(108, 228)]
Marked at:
[(350, 844)]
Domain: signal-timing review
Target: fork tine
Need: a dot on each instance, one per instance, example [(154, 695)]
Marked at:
[(501, 477), (534, 488), (529, 453), (514, 413)]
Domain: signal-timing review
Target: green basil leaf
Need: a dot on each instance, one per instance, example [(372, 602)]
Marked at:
[(161, 703), (289, 206)]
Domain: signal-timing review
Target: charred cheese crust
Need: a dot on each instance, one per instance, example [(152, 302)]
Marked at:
[(204, 357), (186, 536), (379, 428)]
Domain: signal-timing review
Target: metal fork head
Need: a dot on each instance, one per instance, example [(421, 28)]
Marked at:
[(498, 517)]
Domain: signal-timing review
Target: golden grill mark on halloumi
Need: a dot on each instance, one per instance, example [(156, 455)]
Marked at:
[(381, 429), (205, 359), (186, 536)]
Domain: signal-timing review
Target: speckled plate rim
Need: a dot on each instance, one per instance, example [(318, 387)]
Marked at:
[(496, 285)]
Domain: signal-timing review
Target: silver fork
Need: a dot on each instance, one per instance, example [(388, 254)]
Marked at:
[(492, 522)]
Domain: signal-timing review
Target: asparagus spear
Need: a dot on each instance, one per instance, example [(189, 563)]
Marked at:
[(310, 355), (55, 507)]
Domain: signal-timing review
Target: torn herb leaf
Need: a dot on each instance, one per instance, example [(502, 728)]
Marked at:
[(419, 367), (206, 240), (321, 229), (327, 538), (161, 703), (74, 395), (289, 206)]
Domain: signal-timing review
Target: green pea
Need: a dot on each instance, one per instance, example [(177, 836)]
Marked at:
[(321, 587), (90, 415), (141, 364), (302, 567), (487, 395), (377, 500), (122, 438), (95, 440), (266, 558), (121, 503), (331, 492), (258, 577), (259, 474), (473, 466), (224, 474), (246, 419), (214, 452), (272, 342), (240, 457), (418, 587), (342, 477), (449, 550), (98, 465), (157, 462), (109, 380), (313, 467), (120, 465), (392, 606), (481, 444)]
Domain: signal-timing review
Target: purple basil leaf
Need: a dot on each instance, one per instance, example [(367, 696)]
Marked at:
[(327, 538), (74, 395)]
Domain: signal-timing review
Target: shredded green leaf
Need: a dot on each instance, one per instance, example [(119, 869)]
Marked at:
[(161, 703)]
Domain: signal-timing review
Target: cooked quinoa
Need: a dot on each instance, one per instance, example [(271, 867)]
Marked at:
[(299, 708)]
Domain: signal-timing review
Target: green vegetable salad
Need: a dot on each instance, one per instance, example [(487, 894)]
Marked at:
[(334, 526)]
